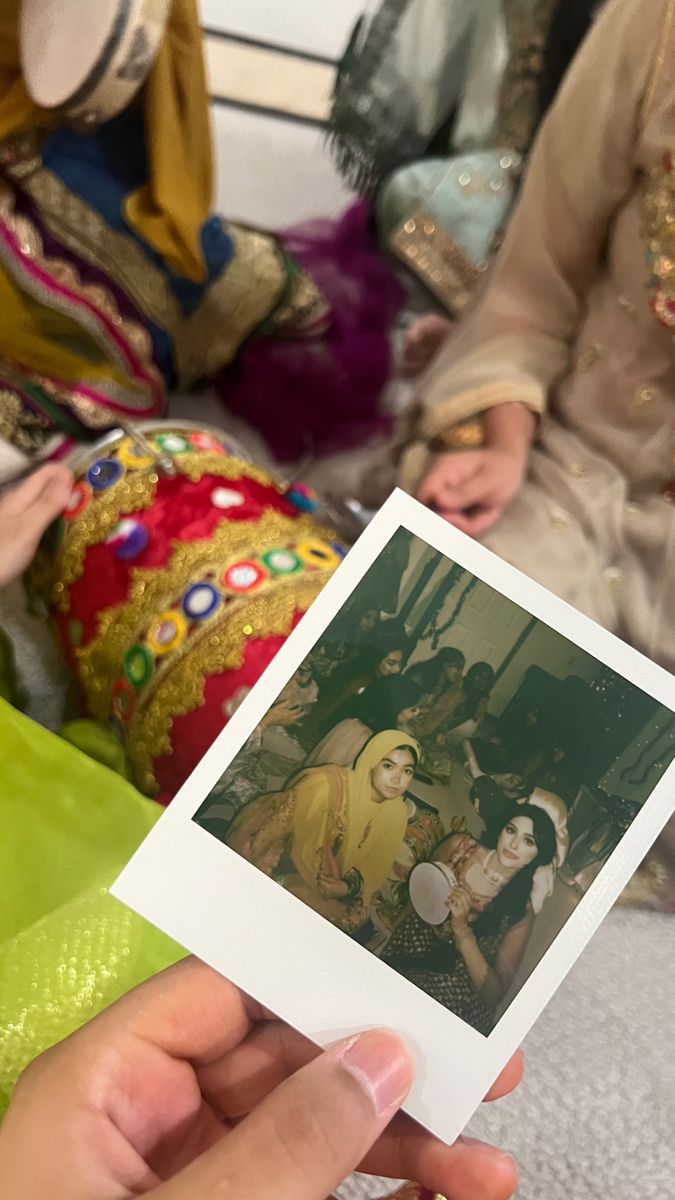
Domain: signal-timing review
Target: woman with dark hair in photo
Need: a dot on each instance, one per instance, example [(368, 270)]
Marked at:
[(389, 703), (438, 674), (469, 962), (358, 622), (332, 836), (382, 657), (473, 706), (458, 712), (496, 783)]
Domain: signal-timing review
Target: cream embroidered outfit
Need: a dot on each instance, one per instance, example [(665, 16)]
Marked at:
[(577, 322)]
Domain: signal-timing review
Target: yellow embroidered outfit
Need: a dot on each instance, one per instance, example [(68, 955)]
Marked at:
[(328, 823)]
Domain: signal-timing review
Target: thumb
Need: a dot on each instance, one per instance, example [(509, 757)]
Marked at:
[(310, 1133)]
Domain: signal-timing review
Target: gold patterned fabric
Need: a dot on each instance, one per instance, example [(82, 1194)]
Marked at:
[(26, 430), (527, 26), (659, 235), (429, 251), (96, 328)]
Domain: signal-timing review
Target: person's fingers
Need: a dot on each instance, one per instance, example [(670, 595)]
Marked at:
[(484, 519), (189, 1011), (467, 493), (235, 1084), (45, 491), (311, 1132), (445, 479), (25, 512), (474, 523), (467, 1170), (240, 1080), (509, 1079)]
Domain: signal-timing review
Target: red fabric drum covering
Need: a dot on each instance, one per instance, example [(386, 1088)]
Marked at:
[(170, 592)]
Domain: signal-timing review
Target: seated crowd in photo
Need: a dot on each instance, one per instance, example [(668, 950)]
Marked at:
[(390, 757)]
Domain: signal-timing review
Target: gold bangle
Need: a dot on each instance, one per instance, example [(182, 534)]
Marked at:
[(468, 435)]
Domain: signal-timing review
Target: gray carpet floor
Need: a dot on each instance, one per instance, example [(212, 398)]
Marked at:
[(595, 1116)]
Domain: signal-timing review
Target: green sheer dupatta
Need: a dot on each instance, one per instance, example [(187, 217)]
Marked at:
[(408, 70), (67, 948)]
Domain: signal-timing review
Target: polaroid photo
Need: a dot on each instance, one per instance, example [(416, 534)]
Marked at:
[(422, 811)]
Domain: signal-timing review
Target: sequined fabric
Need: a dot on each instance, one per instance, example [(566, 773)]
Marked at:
[(67, 948)]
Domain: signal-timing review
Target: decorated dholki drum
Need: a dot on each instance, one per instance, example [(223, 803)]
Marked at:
[(177, 571)]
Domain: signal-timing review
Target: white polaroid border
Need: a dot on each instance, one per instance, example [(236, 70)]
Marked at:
[(225, 911)]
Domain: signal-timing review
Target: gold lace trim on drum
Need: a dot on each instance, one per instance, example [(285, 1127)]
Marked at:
[(153, 590), (66, 275), (658, 230), (245, 293), (427, 249), (135, 491), (220, 646)]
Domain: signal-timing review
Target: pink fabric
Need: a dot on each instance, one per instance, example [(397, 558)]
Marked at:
[(322, 394)]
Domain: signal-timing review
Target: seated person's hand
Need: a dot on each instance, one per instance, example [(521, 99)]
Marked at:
[(187, 1090), (473, 488), (26, 510), (333, 888), (459, 905), (283, 714)]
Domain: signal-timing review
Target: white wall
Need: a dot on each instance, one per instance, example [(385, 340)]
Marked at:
[(318, 26), (273, 172), (548, 650), (487, 629)]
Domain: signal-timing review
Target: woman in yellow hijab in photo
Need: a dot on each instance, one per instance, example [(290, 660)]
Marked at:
[(332, 836), (117, 284)]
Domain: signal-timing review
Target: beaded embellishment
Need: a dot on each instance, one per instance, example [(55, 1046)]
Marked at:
[(659, 235)]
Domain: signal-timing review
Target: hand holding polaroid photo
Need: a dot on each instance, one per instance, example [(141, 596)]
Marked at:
[(418, 820)]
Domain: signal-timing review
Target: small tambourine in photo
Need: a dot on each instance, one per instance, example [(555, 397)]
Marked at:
[(430, 886), (88, 60)]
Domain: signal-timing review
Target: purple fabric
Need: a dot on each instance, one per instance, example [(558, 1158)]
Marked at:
[(322, 394), (87, 271)]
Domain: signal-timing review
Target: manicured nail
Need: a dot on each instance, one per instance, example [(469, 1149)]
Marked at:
[(380, 1063), (484, 1148)]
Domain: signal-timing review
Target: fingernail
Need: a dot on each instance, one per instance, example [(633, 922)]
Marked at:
[(485, 1149), (381, 1065)]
